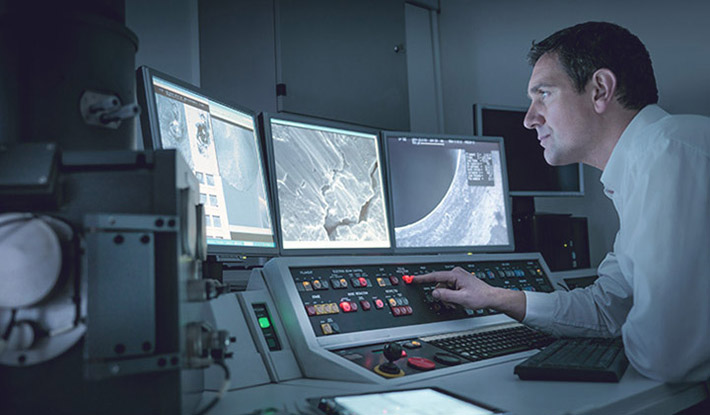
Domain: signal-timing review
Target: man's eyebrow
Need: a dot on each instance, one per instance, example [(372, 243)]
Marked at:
[(537, 87)]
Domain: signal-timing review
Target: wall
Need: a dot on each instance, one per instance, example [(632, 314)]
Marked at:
[(167, 39), (425, 106), (167, 36), (237, 57), (484, 44)]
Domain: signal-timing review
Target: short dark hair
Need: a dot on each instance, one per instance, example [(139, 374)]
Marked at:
[(586, 47)]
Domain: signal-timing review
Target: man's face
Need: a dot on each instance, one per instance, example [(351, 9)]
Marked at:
[(563, 118)]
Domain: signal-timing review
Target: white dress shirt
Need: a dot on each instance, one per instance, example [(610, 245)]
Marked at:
[(654, 288)]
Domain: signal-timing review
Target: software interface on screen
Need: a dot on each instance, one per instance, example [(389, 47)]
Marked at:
[(447, 192), (527, 169), (221, 147), (329, 187)]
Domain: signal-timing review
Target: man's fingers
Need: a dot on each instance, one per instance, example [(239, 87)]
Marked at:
[(450, 296), (436, 276)]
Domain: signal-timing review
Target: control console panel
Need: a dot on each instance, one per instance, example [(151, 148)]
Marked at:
[(348, 299), (335, 308)]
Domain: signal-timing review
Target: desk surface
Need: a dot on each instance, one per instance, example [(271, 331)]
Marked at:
[(494, 385)]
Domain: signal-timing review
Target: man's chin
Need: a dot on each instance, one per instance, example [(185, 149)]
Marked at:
[(550, 158), (555, 159)]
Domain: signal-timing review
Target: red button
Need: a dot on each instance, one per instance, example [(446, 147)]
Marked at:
[(345, 306), (353, 306), (365, 305), (408, 309), (379, 303), (311, 310), (363, 282), (396, 311), (421, 363), (394, 280), (408, 278)]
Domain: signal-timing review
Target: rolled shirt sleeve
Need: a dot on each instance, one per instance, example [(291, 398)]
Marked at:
[(595, 311)]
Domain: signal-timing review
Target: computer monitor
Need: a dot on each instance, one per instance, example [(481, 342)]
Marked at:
[(328, 186), (528, 172), (220, 143), (449, 193)]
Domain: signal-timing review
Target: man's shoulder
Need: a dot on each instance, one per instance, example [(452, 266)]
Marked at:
[(686, 129), (691, 122)]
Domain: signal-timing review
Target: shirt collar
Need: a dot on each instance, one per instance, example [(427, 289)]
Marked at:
[(614, 169)]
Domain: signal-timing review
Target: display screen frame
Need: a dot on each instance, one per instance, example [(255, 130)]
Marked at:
[(150, 129), (265, 120), (510, 247)]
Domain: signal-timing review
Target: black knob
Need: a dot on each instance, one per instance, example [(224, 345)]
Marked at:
[(392, 351)]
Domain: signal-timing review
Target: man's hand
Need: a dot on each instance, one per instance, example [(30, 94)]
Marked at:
[(461, 287)]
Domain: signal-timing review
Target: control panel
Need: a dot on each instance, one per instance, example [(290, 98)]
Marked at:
[(341, 314), (348, 299)]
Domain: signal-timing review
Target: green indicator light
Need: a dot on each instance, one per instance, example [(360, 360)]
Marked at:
[(264, 322)]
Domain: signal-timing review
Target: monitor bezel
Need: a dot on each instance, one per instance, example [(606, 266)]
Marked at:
[(451, 249), (150, 130), (478, 129), (265, 125)]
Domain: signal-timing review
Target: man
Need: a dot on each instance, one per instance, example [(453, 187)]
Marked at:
[(593, 96)]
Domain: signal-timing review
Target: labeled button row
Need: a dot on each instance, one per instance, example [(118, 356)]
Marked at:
[(349, 306), (322, 309), (360, 282), (330, 328), (387, 281), (315, 285), (397, 301), (337, 283), (399, 311), (508, 273)]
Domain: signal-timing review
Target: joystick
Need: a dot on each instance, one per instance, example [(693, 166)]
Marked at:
[(392, 351)]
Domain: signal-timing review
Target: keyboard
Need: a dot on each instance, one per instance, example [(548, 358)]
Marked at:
[(577, 359), (475, 346)]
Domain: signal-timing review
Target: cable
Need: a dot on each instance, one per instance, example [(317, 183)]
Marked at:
[(8, 330), (222, 390)]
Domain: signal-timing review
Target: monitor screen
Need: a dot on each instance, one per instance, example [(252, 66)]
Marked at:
[(328, 184), (220, 144), (528, 172), (410, 402), (448, 193)]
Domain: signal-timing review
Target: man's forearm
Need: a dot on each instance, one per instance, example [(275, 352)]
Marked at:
[(510, 302)]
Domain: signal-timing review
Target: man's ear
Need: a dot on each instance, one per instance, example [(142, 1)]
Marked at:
[(603, 89)]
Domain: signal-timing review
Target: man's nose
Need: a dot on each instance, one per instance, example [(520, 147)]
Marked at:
[(532, 118)]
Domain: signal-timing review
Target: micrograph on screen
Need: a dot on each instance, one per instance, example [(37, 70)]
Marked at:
[(329, 185), (220, 146), (447, 192)]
